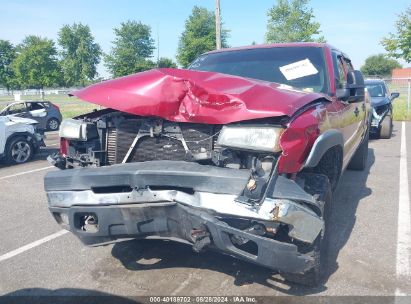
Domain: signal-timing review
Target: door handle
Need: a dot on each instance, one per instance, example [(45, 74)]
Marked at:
[(356, 111)]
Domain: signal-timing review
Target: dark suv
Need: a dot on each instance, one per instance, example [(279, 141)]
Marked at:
[(381, 103)]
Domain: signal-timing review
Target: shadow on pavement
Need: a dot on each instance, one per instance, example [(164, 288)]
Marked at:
[(138, 255), (63, 295), (41, 154), (351, 189)]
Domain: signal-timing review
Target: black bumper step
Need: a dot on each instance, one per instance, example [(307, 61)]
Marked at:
[(170, 174)]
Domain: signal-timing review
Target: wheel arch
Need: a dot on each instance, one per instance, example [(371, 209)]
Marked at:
[(326, 141), (27, 135)]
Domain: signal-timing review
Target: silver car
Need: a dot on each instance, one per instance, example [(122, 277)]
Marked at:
[(45, 113)]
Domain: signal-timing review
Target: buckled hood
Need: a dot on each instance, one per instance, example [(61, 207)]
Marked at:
[(379, 101), (196, 96)]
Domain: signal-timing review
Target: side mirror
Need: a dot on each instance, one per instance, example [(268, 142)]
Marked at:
[(395, 95), (354, 90)]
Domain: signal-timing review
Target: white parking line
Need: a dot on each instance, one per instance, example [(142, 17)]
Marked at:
[(31, 245), (25, 172), (404, 225)]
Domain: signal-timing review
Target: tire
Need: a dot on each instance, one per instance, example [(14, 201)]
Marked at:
[(359, 160), (386, 127), (318, 251), (53, 124), (330, 165), (19, 150)]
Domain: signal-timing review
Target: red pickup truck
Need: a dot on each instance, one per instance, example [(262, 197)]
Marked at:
[(240, 152)]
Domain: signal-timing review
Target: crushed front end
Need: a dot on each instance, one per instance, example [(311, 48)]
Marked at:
[(210, 185), (379, 112)]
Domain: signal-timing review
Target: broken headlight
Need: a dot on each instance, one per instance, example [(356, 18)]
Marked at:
[(251, 138), (77, 130)]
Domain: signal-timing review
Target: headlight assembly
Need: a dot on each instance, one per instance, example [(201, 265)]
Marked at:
[(77, 130), (251, 138)]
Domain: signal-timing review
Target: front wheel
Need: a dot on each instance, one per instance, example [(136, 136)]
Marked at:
[(19, 151), (318, 251), (386, 127)]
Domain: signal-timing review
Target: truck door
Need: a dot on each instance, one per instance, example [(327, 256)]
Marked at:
[(352, 114)]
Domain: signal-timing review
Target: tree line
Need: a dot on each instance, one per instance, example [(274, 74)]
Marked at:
[(72, 60), (38, 62)]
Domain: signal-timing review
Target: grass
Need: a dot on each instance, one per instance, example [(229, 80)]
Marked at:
[(400, 109), (400, 104), (69, 106)]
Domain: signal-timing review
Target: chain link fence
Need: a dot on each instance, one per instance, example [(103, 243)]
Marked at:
[(402, 105), (34, 92)]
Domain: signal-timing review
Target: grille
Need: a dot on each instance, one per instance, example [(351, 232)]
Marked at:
[(126, 133), (199, 138), (149, 148)]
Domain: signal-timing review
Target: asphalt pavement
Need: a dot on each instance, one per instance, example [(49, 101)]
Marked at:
[(367, 255)]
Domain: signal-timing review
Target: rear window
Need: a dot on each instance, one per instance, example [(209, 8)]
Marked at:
[(300, 67)]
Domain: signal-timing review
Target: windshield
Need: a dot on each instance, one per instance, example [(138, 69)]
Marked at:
[(376, 89), (299, 67)]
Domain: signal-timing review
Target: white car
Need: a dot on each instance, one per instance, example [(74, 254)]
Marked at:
[(19, 139)]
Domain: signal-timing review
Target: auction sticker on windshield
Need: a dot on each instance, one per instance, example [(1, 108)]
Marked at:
[(298, 69)]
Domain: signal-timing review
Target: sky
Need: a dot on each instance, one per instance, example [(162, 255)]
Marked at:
[(353, 26)]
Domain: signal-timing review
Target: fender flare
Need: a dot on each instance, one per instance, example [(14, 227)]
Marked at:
[(322, 144), (27, 135)]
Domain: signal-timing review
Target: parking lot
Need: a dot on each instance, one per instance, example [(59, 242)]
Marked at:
[(369, 253)]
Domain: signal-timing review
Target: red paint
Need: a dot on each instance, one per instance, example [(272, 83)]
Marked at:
[(209, 97), (64, 146), (195, 96), (298, 138)]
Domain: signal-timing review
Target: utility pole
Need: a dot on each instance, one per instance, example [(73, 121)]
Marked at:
[(217, 24), (158, 46)]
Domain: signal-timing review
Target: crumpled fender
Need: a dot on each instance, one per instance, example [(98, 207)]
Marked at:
[(196, 96), (297, 140)]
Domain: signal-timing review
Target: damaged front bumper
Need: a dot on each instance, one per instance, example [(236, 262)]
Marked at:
[(191, 202), (38, 140), (376, 118)]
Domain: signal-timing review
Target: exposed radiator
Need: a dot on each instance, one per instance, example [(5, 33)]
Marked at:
[(199, 139), (111, 145)]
